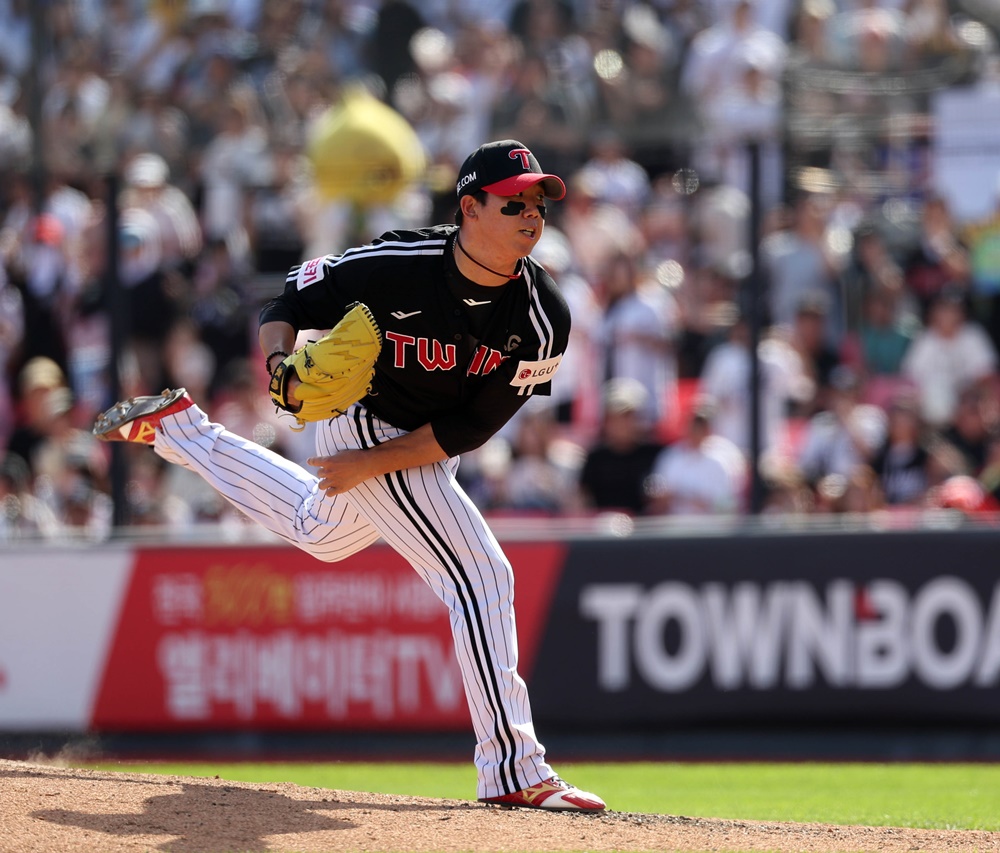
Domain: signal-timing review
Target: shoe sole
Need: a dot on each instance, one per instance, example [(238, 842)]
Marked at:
[(108, 425), (511, 806)]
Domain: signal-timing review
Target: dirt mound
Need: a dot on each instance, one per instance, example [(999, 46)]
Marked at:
[(51, 808)]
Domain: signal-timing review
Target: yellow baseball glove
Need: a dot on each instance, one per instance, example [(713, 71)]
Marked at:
[(334, 371)]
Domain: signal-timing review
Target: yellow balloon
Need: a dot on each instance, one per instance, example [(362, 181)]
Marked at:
[(363, 151)]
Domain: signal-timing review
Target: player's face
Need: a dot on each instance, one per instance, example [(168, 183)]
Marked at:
[(515, 222)]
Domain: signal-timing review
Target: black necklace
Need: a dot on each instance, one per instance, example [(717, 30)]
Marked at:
[(517, 271)]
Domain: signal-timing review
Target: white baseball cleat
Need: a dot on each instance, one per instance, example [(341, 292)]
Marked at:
[(138, 418), (553, 794)]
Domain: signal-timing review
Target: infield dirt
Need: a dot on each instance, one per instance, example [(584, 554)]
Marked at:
[(67, 810)]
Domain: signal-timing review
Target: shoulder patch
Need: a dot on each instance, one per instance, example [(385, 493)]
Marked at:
[(535, 372), (310, 272)]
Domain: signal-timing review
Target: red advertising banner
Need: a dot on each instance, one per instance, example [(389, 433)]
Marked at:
[(269, 638)]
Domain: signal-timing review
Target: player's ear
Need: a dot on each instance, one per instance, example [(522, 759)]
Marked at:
[(469, 207)]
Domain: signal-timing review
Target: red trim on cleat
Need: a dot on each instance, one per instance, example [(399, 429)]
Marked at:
[(553, 794), (138, 418)]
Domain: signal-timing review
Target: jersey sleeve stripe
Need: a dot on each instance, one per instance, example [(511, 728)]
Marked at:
[(542, 326), (393, 248), (371, 251)]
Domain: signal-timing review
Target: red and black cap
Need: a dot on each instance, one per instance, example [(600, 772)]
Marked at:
[(505, 167)]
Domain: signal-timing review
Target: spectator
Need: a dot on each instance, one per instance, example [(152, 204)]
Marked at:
[(22, 515), (575, 390), (11, 333), (725, 380), (718, 57), (38, 382), (707, 300), (799, 262), (773, 15), (18, 216), (232, 163), (870, 37), (73, 106), (666, 227), (638, 331), (721, 215), (15, 131), (857, 492), (549, 29), (818, 358), (531, 111), (712, 65), (210, 72), (342, 32), (72, 207), (15, 36), (145, 121), (613, 176), (153, 297), (397, 23), (879, 344), (148, 189), (543, 469), (597, 232), (188, 361), (443, 107), (939, 260), (903, 462), (129, 37), (616, 470), (809, 44), (486, 55), (219, 309), (751, 110), (42, 272), (69, 470), (963, 446), (785, 490), (701, 473), (871, 266), (142, 46), (160, 496), (295, 93), (951, 353), (844, 437), (277, 214), (89, 326)]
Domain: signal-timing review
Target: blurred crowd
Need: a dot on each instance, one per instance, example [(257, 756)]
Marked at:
[(216, 143)]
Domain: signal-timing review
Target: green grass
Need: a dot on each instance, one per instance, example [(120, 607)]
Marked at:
[(929, 796)]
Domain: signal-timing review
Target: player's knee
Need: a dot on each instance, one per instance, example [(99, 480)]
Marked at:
[(330, 557), (325, 554), (333, 547)]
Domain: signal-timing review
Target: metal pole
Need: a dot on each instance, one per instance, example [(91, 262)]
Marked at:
[(754, 308), (118, 316), (33, 102)]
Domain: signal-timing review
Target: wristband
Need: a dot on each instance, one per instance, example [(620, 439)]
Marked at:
[(267, 361)]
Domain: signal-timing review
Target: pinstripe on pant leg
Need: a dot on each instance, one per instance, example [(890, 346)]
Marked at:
[(424, 514), (279, 495)]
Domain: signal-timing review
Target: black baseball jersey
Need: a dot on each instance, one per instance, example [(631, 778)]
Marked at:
[(455, 354)]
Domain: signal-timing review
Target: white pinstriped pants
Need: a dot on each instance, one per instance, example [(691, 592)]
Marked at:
[(426, 516)]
